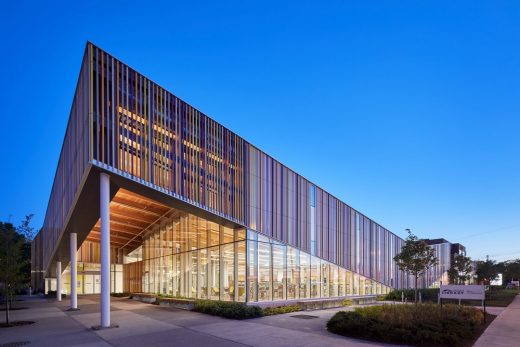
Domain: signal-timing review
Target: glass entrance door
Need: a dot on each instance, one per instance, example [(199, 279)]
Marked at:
[(97, 284), (89, 284)]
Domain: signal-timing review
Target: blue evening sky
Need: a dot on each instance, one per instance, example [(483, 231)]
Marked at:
[(407, 111)]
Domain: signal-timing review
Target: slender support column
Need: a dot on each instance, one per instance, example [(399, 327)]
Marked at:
[(58, 280), (73, 272), (104, 204)]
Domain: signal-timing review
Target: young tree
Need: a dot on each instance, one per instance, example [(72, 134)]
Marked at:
[(415, 258), (460, 270), (12, 263), (486, 271), (510, 270), (25, 229)]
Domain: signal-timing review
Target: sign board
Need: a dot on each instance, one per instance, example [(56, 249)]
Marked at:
[(464, 292)]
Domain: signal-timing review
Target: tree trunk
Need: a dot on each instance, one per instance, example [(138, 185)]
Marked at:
[(416, 289), (6, 310)]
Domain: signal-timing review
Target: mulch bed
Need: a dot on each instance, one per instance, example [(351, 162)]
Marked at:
[(489, 318), (16, 324), (14, 308)]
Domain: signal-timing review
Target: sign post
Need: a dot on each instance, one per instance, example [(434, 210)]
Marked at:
[(464, 292), (484, 303)]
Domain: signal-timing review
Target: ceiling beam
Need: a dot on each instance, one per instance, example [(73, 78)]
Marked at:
[(114, 231), (137, 209)]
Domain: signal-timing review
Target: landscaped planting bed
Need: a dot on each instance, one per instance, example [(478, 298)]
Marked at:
[(228, 309), (495, 296), (52, 294), (269, 311), (144, 297), (239, 310), (418, 325), (427, 295), (120, 295), (16, 324), (182, 303), (500, 296)]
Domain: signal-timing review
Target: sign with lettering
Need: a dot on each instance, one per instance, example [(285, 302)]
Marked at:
[(464, 292)]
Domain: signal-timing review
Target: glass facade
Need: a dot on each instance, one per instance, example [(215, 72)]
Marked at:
[(188, 256), (89, 279), (439, 273), (282, 272)]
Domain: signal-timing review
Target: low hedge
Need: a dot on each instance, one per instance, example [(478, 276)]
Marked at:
[(239, 310), (269, 311), (347, 302), (167, 296), (120, 295), (495, 296), (228, 309), (419, 325), (500, 296), (53, 294), (430, 294)]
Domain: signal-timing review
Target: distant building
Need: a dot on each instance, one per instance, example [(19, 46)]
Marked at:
[(445, 252)]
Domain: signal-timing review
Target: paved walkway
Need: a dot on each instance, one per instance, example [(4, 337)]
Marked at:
[(149, 325), (504, 330)]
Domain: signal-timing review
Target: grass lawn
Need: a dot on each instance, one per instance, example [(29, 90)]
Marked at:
[(495, 296), (501, 297), (498, 297), (416, 325)]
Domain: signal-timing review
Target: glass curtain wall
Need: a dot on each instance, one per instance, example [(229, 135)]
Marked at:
[(280, 272), (89, 278), (191, 257)]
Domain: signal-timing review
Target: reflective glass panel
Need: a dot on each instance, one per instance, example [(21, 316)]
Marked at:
[(264, 272)]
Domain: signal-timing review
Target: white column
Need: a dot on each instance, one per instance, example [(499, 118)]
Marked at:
[(58, 280), (104, 203), (73, 272)]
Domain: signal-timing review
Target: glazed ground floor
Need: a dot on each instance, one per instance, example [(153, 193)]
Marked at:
[(172, 249), (191, 257), (88, 279)]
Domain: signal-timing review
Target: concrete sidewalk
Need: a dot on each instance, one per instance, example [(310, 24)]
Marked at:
[(149, 325), (504, 330)]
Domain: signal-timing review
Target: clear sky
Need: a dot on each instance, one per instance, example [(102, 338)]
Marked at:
[(407, 111)]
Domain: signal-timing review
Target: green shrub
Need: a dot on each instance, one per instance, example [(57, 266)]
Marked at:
[(499, 296), (419, 325), (393, 295), (427, 295), (53, 294), (347, 302), (172, 296), (269, 311), (120, 295), (227, 309)]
